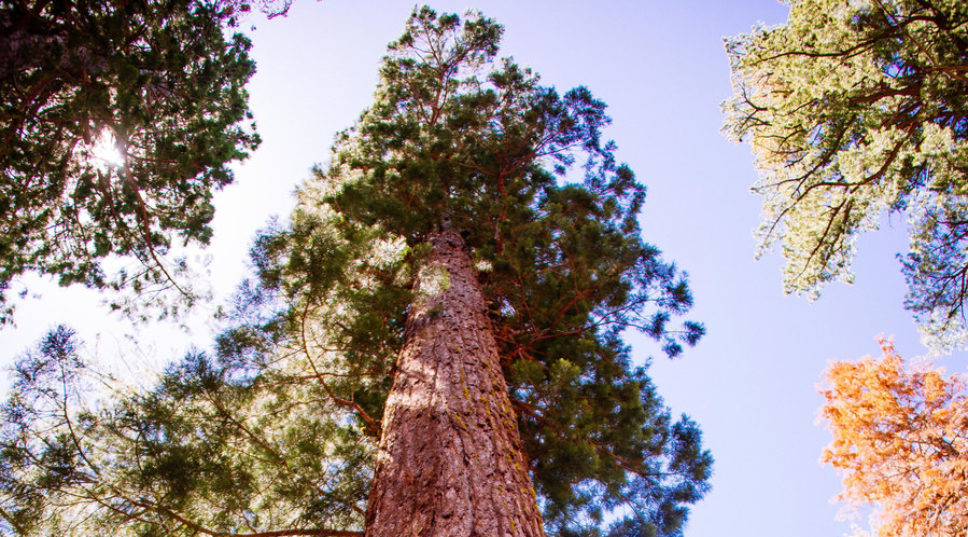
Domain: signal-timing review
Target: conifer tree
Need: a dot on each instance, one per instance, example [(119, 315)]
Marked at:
[(856, 109), (118, 120), (433, 345)]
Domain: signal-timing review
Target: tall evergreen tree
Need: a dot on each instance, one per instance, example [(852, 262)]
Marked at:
[(433, 345), (855, 109), (118, 120)]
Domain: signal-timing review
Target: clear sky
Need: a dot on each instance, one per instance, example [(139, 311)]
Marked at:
[(660, 65)]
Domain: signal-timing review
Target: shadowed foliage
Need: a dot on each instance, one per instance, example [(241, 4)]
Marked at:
[(118, 121)]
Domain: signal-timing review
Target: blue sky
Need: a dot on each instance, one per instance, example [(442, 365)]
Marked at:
[(750, 383)]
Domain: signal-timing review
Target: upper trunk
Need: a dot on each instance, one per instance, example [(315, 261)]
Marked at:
[(450, 461)]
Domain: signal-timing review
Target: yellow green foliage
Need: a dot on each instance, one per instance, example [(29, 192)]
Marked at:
[(855, 109)]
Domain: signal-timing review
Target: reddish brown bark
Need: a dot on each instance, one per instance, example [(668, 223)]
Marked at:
[(450, 460)]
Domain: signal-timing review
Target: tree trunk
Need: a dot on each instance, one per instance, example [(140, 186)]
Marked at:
[(450, 461)]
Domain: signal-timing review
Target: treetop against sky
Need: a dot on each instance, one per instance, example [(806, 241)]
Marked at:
[(524, 280), (749, 382)]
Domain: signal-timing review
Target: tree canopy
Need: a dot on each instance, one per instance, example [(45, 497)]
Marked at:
[(118, 121), (900, 436), (274, 430), (854, 110)]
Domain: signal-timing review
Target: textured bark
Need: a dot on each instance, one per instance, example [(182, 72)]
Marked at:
[(450, 460)]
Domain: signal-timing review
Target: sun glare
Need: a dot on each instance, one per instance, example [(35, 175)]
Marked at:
[(105, 153)]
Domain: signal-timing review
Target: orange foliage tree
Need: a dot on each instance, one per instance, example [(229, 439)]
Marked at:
[(900, 443)]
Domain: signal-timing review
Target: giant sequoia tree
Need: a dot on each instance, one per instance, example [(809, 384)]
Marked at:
[(856, 109), (118, 120), (433, 345)]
